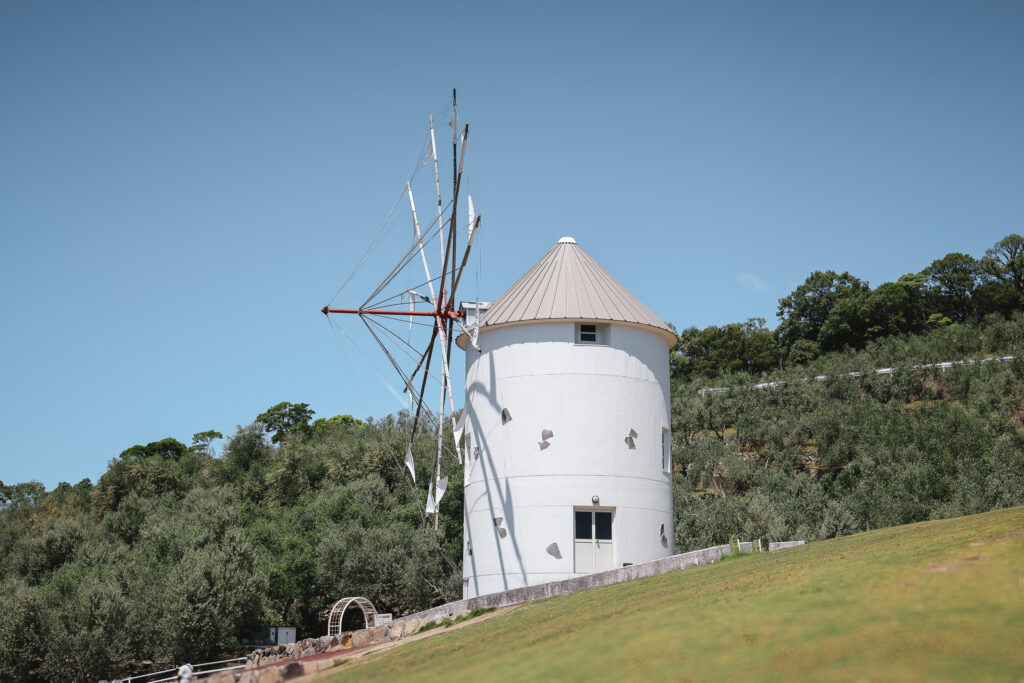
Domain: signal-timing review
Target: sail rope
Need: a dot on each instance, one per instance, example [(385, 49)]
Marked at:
[(401, 194), (348, 364), (477, 242), (396, 299), (428, 415), (436, 420), (373, 367), (430, 419), (413, 355), (369, 248), (432, 231)]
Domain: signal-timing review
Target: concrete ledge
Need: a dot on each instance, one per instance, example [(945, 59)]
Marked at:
[(782, 545), (515, 596)]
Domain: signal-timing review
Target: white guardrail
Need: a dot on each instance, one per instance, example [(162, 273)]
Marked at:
[(879, 371), (186, 673)]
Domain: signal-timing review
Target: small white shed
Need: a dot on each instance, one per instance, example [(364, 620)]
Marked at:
[(282, 635)]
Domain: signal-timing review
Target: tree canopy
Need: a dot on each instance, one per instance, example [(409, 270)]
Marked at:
[(833, 311), (805, 311), (1004, 262), (285, 419)]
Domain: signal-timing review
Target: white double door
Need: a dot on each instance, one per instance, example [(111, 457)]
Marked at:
[(593, 547)]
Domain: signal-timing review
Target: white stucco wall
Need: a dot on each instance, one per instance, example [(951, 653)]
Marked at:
[(590, 396)]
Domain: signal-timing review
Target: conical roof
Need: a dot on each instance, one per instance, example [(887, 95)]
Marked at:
[(567, 284)]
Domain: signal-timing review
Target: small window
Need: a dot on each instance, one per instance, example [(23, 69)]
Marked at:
[(666, 450), (591, 333), (584, 529), (603, 526)]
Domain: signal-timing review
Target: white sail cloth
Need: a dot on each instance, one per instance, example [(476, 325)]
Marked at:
[(437, 490)]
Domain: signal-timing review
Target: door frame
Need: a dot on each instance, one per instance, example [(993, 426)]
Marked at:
[(593, 530)]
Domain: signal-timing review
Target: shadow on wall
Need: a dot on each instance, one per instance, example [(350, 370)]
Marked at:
[(490, 480)]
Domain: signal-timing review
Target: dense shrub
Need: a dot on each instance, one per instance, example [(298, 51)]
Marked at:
[(176, 555), (827, 457)]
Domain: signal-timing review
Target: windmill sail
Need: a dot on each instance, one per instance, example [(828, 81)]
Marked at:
[(414, 326), (409, 462)]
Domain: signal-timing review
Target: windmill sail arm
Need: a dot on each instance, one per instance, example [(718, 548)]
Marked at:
[(419, 240), (423, 383), (372, 311), (430, 346), (465, 255), (455, 205), (446, 376)]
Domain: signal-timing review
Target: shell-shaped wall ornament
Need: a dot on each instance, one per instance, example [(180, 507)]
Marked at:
[(502, 533)]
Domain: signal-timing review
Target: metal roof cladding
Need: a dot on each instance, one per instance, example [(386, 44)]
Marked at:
[(567, 284)]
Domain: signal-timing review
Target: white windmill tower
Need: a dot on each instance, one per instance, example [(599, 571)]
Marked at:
[(568, 468)]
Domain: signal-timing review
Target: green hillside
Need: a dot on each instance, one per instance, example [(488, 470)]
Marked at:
[(849, 453), (940, 600), (186, 552)]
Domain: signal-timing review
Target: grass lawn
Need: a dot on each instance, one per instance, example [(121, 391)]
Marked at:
[(939, 600)]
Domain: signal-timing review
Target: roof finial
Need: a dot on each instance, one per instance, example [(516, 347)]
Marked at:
[(567, 240)]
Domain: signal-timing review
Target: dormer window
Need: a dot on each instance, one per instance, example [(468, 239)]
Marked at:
[(591, 333)]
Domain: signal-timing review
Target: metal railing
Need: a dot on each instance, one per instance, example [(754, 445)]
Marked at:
[(197, 671), (880, 371)]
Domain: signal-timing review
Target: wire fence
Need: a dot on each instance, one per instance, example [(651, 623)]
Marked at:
[(880, 371)]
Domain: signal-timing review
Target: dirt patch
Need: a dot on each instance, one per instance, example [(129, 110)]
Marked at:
[(933, 383), (355, 654), (1016, 533), (1005, 536), (951, 566)]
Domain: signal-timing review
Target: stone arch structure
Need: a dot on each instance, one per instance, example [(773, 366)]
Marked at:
[(338, 609)]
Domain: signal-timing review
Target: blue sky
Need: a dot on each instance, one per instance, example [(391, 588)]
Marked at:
[(184, 185)]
